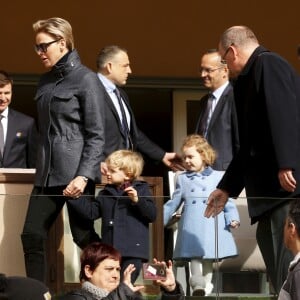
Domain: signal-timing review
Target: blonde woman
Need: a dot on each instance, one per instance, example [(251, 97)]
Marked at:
[(70, 142)]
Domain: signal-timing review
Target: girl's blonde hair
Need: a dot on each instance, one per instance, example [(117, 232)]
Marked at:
[(130, 162), (208, 154), (58, 28)]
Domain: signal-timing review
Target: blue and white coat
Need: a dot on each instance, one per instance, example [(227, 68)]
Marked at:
[(196, 234)]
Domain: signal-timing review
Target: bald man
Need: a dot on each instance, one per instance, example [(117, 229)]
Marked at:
[(267, 97)]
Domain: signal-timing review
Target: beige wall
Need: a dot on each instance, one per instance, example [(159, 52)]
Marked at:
[(13, 207), (164, 38)]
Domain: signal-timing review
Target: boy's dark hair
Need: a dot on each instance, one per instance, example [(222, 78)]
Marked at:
[(294, 214)]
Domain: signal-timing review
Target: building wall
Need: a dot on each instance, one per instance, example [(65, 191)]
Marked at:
[(164, 38)]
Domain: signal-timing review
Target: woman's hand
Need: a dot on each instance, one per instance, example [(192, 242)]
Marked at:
[(75, 188), (127, 279), (169, 284)]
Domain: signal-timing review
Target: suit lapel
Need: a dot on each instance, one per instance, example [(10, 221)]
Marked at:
[(112, 107)]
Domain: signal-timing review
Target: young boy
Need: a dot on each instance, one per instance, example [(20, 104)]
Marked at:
[(291, 287), (126, 208)]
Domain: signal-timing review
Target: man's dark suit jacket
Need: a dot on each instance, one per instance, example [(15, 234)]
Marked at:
[(20, 144), (222, 132), (114, 137), (267, 96)]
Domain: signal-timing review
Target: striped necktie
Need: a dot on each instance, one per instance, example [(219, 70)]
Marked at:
[(124, 122)]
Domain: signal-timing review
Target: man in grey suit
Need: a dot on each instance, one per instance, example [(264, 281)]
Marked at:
[(17, 131), (121, 130), (217, 119)]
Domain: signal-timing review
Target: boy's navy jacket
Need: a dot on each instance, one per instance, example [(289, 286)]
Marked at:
[(125, 225)]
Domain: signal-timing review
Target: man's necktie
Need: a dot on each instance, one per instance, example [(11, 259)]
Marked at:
[(204, 120), (124, 123), (1, 139)]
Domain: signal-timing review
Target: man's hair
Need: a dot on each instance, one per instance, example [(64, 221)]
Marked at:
[(294, 214), (216, 51), (93, 254), (5, 78), (206, 151), (106, 54), (58, 28), (238, 35)]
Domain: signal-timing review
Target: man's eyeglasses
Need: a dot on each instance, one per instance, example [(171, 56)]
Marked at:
[(226, 52), (209, 70), (42, 47)]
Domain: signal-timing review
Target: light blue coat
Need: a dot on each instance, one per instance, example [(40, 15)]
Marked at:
[(196, 234)]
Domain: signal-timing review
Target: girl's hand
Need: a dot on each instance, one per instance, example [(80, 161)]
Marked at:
[(234, 224)]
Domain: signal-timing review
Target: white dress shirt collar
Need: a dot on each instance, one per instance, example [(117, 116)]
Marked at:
[(110, 87), (4, 122), (219, 91), (108, 84)]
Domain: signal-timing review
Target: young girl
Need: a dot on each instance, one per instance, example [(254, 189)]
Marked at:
[(196, 234), (125, 207)]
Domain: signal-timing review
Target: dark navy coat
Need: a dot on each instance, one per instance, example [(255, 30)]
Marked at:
[(267, 97), (125, 225)]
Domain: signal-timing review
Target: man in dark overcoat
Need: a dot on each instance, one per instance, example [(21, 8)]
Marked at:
[(267, 100)]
